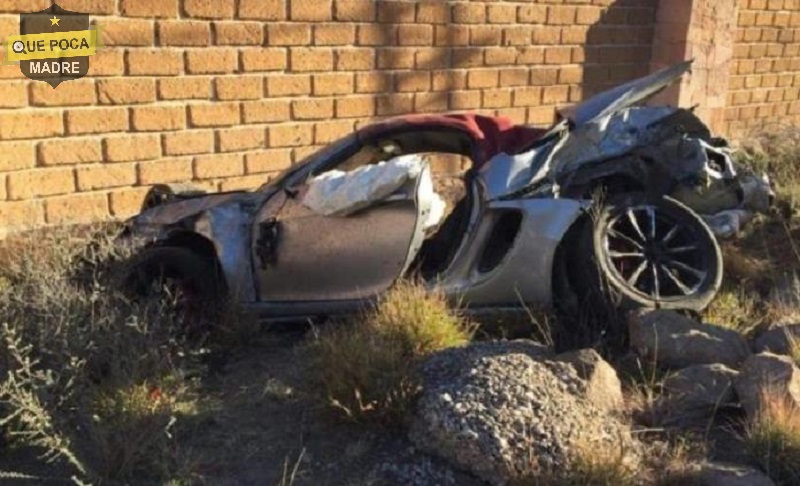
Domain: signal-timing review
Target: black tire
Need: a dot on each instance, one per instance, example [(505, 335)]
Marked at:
[(195, 275), (621, 258)]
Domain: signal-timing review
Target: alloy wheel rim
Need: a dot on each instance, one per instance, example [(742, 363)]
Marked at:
[(654, 255)]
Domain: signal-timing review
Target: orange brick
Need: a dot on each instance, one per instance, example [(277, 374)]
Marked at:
[(469, 13), (373, 82), (486, 35), (464, 100), (107, 62), (502, 14), (570, 75), (158, 118), (285, 85), (432, 58), (288, 34), (15, 94), (433, 12), (208, 166), (331, 84), (355, 10), (547, 36), (184, 88), (482, 78), (291, 135), (467, 57), (355, 59), (149, 8), (528, 96), (69, 151), (427, 102), (328, 132), (303, 59), (239, 87), (496, 56), (395, 12), (96, 120), (40, 182), (334, 34), (543, 115), (303, 10), (128, 148), (415, 35), (555, 94), (532, 14), (17, 155), (154, 62), (514, 77), (355, 106), (236, 139), (210, 9), (497, 98), (106, 175), (544, 77), (557, 55), (265, 111), (270, 59), (396, 58), (122, 91), (262, 9), (77, 92), (125, 203), (517, 36), (127, 32), (89, 6), (165, 170), (243, 183), (38, 124), (189, 142), (76, 208), (267, 161), (449, 80), (21, 214), (451, 35), (184, 33), (214, 114), (376, 35), (238, 33), (394, 104), (413, 81), (561, 15), (312, 109), (211, 60)]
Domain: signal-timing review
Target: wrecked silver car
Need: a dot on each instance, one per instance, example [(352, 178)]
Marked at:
[(608, 201)]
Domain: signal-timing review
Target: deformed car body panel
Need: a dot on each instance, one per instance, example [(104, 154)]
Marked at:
[(280, 257)]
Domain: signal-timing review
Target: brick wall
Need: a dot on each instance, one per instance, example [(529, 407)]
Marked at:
[(226, 92), (764, 84)]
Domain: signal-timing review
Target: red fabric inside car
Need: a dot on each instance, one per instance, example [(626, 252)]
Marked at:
[(490, 135)]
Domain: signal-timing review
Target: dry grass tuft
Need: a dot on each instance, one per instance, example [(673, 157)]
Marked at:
[(773, 439), (78, 361), (735, 308), (366, 367)]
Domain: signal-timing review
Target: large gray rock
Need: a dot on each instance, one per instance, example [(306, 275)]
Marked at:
[(767, 374), (695, 393), (503, 412), (779, 339), (600, 382), (675, 341)]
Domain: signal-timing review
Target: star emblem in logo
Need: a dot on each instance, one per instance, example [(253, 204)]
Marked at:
[(54, 21)]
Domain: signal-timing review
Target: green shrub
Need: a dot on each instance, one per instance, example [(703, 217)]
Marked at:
[(75, 357), (366, 367), (773, 439)]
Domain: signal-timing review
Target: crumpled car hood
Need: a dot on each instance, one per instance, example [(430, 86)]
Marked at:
[(176, 211), (624, 96)]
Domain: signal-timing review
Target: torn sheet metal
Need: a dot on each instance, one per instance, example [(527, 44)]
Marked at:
[(624, 96), (728, 223)]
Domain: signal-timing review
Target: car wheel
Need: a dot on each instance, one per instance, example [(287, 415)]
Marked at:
[(190, 280), (648, 252)]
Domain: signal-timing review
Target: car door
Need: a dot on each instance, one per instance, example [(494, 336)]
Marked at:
[(303, 256)]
